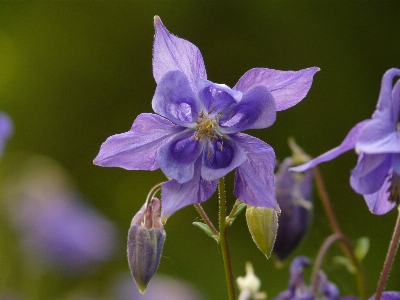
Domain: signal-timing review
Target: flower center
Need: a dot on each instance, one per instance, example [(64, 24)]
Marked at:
[(394, 188), (207, 127)]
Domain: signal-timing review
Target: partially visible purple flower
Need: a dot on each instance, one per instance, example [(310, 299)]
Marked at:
[(294, 193), (377, 141), (298, 290), (195, 137), (56, 226), (393, 295), (6, 130)]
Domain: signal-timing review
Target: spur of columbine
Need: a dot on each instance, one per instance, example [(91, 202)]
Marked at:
[(377, 141), (195, 136)]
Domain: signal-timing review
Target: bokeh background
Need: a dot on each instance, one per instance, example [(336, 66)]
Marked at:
[(74, 73)]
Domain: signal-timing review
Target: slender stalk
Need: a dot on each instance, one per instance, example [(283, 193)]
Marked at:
[(223, 241), (394, 243), (152, 192), (234, 209), (346, 248), (205, 218), (336, 237)]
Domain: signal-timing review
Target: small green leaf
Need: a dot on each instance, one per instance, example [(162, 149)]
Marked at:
[(205, 228), (263, 226), (239, 209), (341, 260), (361, 248)]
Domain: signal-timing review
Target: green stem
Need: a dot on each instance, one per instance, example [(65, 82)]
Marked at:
[(394, 243), (346, 248), (223, 241), (205, 218), (234, 209)]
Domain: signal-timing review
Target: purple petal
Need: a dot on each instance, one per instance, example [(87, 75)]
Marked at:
[(220, 156), (216, 97), (370, 173), (396, 163), (177, 157), (137, 148), (392, 295), (255, 110), (172, 53), (175, 100), (347, 144), (287, 87), (396, 102), (176, 195), (254, 179), (378, 202), (6, 130)]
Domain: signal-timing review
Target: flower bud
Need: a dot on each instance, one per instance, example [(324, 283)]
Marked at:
[(293, 193), (145, 242), (263, 225)]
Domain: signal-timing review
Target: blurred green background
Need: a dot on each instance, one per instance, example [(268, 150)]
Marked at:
[(74, 73)]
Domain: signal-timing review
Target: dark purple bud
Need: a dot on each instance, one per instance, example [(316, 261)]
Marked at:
[(145, 242), (293, 193)]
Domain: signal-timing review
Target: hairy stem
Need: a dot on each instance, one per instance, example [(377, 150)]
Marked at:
[(346, 248), (223, 241), (205, 218), (394, 243)]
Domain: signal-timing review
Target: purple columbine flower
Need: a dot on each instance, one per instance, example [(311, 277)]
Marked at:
[(392, 295), (195, 137), (294, 193), (6, 130), (377, 141)]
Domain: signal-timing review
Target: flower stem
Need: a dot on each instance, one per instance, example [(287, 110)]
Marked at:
[(223, 241), (234, 209), (205, 218), (152, 192), (394, 243), (337, 237), (346, 248)]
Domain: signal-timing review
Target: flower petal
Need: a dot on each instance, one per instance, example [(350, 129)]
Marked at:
[(254, 179), (370, 173), (378, 202), (396, 101), (287, 87), (347, 144), (175, 100), (392, 295), (396, 163), (385, 105), (220, 156), (137, 148), (176, 195), (6, 130), (172, 53), (255, 110), (177, 157)]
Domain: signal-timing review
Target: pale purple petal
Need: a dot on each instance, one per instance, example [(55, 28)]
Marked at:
[(172, 53), (396, 163), (220, 156), (378, 202), (287, 87), (176, 195), (177, 157), (6, 130), (254, 179), (137, 148), (216, 98), (347, 144), (175, 100), (392, 295), (396, 102), (255, 110), (378, 137), (370, 173)]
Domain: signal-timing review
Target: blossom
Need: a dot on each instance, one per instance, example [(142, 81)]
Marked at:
[(392, 295), (377, 141), (293, 192), (6, 129), (195, 136)]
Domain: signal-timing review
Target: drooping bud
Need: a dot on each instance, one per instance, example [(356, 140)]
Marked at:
[(263, 225), (146, 238), (294, 194)]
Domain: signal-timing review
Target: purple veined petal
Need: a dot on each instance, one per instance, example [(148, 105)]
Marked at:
[(392, 295), (287, 87), (220, 156), (176, 195), (396, 102), (370, 173), (175, 100), (378, 202), (216, 98), (348, 143), (378, 136), (137, 148), (254, 179), (177, 157), (396, 162), (255, 110), (172, 53)]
